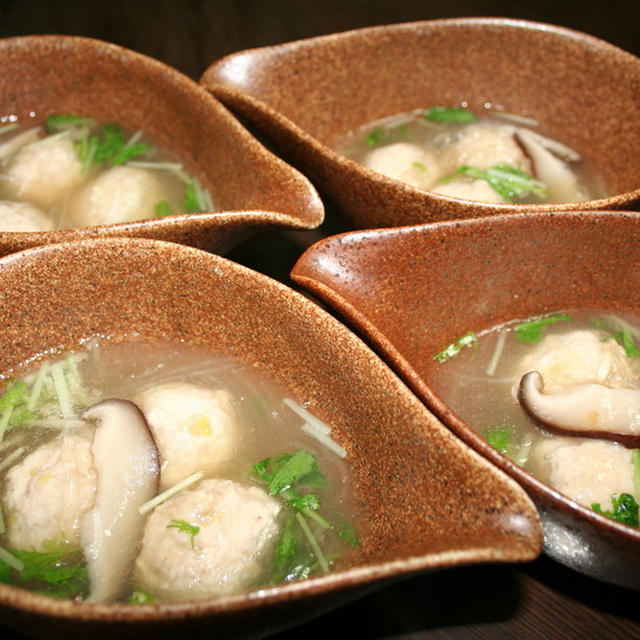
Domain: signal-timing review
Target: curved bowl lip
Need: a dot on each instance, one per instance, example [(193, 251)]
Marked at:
[(364, 577), (217, 87), (357, 320), (315, 205)]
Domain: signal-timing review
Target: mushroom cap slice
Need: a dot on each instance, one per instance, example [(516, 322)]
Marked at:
[(562, 184), (126, 461), (587, 410)]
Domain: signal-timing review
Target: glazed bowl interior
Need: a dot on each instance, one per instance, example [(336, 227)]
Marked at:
[(426, 500), (251, 188), (306, 95), (409, 291)]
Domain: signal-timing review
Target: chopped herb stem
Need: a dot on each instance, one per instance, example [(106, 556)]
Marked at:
[(4, 420), (306, 415), (11, 560), (62, 391), (38, 384), (11, 458), (313, 543), (9, 127), (314, 515), (171, 491)]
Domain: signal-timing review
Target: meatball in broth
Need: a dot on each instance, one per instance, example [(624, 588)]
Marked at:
[(156, 471), (72, 172), (559, 395)]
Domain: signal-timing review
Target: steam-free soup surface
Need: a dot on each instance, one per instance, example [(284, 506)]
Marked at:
[(589, 365), (487, 157), (229, 529)]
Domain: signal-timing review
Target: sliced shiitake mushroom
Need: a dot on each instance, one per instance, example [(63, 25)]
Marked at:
[(589, 410), (128, 471)]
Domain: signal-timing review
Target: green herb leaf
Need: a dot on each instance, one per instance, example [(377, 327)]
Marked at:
[(15, 393), (500, 437), (308, 501), (625, 339), (138, 596), (419, 165), (530, 331), (625, 509), (15, 397), (191, 203), (112, 143), (300, 464), (128, 152), (59, 122), (449, 114), (161, 209), (349, 535), (185, 527), (60, 570), (373, 137), (509, 182), (467, 340), (5, 573)]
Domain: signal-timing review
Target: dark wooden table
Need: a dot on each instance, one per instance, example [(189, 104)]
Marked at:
[(538, 600)]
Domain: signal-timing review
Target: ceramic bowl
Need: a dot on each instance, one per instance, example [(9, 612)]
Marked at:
[(428, 500), (305, 95), (411, 290), (251, 188)]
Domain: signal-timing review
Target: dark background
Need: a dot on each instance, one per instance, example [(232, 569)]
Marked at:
[(539, 600)]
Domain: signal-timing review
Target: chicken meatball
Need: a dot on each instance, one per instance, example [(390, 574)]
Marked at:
[(47, 493), (42, 173), (404, 162), (22, 216), (576, 357), (587, 471), (483, 146), (194, 428), (232, 529), (119, 194), (478, 190)]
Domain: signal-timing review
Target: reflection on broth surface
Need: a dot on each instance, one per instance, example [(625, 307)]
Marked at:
[(495, 157), (72, 172), (163, 471), (560, 396)]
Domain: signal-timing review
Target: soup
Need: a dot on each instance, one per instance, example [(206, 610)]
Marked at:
[(71, 172), (495, 157), (560, 396), (147, 472)]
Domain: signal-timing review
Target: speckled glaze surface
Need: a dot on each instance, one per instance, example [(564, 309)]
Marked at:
[(427, 499), (305, 95), (411, 290), (252, 189)]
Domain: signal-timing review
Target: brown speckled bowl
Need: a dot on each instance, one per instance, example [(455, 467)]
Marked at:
[(411, 290), (252, 189), (428, 500), (305, 95)]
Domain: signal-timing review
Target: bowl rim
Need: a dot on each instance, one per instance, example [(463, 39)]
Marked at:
[(357, 321), (212, 79), (310, 218), (358, 576)]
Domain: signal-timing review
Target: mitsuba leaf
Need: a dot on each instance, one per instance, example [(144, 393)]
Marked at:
[(467, 340), (530, 331), (625, 509)]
